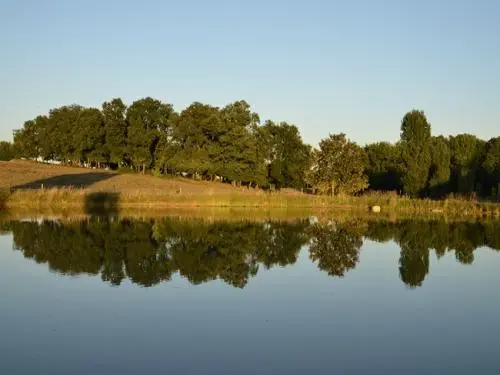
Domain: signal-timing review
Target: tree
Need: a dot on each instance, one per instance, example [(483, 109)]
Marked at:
[(466, 151), (196, 140), (338, 166), (46, 146), (116, 130), (91, 142), (6, 151), (147, 119), (27, 140), (288, 156), (384, 166), (439, 173), (61, 136), (241, 158), (416, 154), (491, 165)]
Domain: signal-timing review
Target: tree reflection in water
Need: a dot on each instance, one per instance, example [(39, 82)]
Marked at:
[(149, 252)]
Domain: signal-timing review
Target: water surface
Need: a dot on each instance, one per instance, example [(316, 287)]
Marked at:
[(121, 296)]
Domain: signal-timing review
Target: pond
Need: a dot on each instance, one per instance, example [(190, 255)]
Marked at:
[(110, 295)]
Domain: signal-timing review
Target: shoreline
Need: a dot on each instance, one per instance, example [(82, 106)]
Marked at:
[(87, 201)]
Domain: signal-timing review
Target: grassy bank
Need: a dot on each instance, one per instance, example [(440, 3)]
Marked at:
[(31, 187), (88, 201)]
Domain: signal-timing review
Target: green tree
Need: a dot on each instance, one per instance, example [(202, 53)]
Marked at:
[(241, 158), (27, 141), (416, 153), (384, 166), (288, 156), (491, 165), (439, 173), (61, 137), (46, 146), (195, 148), (90, 139), (147, 119), (7, 151), (338, 166), (466, 150), (116, 130)]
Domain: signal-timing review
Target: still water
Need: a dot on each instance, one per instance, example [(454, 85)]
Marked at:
[(166, 296)]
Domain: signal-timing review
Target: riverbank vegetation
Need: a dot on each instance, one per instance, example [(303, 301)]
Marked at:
[(91, 201), (232, 145)]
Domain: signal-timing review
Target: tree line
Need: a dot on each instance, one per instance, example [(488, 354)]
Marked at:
[(151, 251), (231, 144)]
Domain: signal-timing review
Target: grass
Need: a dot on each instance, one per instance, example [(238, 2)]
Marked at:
[(88, 201), (80, 190)]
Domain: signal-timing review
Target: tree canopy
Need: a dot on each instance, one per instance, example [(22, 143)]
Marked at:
[(231, 144), (338, 166), (7, 151), (416, 152)]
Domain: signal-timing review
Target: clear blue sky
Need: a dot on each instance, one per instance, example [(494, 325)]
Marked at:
[(326, 66)]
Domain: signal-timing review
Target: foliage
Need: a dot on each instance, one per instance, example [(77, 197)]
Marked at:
[(7, 151), (195, 148), (241, 157), (147, 119), (116, 126), (287, 154), (491, 164), (466, 151), (416, 154), (338, 166), (439, 173), (384, 166), (230, 144)]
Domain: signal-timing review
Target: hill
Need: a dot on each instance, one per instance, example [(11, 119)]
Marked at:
[(22, 174)]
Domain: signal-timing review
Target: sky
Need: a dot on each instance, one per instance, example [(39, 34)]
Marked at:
[(326, 66)]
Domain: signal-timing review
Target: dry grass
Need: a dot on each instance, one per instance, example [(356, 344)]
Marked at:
[(21, 174)]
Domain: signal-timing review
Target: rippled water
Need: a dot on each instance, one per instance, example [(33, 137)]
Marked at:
[(166, 296)]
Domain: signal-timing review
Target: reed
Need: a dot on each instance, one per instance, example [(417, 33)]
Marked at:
[(64, 199), (4, 196)]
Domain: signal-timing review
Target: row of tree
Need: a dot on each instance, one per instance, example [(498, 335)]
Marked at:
[(424, 165), (230, 143), (151, 251), (202, 141)]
